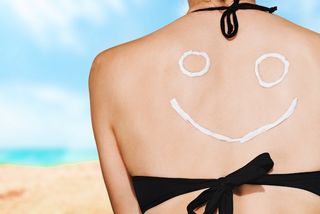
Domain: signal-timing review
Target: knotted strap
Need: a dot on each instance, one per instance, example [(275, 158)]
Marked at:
[(230, 12), (220, 194)]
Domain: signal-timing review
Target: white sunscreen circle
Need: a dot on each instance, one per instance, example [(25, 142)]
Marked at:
[(204, 70), (274, 55)]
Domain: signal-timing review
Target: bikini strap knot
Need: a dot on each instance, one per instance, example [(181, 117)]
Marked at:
[(220, 194), (230, 14), (226, 16)]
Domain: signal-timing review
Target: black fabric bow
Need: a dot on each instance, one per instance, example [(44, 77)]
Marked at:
[(230, 12), (220, 194)]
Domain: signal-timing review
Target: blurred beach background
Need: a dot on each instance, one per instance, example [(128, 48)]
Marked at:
[(48, 158)]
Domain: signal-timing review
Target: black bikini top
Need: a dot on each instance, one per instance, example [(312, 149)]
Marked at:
[(153, 190)]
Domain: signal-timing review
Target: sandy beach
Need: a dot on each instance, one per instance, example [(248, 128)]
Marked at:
[(66, 189)]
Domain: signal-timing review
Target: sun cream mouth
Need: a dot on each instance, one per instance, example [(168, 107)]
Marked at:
[(175, 105)]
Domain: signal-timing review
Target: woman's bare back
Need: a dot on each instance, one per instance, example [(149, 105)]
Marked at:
[(154, 140)]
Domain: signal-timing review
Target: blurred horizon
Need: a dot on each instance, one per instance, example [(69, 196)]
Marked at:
[(46, 156), (47, 50)]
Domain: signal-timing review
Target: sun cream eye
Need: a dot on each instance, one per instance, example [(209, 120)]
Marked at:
[(203, 71), (271, 55)]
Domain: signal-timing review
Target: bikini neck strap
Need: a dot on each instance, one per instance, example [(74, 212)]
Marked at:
[(230, 12)]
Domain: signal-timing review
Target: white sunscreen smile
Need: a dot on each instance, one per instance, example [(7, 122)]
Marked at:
[(258, 131)]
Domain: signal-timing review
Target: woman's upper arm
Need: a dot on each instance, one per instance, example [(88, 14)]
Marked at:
[(116, 177)]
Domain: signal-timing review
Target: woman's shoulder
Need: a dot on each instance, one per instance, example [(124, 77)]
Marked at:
[(128, 59), (301, 42), (117, 71)]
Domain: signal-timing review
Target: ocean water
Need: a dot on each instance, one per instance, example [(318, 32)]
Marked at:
[(46, 156)]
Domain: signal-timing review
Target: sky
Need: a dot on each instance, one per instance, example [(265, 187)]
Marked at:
[(47, 47)]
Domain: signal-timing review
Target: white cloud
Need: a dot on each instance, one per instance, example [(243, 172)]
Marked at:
[(140, 3), (51, 22), (310, 14), (42, 115), (117, 5), (182, 8)]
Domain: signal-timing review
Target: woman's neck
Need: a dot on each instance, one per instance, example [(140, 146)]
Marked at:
[(197, 4)]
